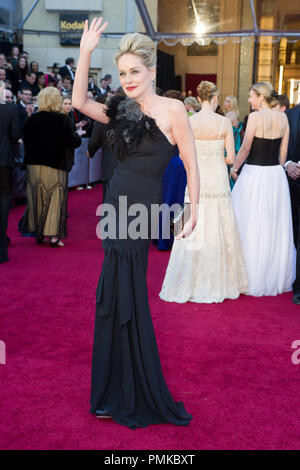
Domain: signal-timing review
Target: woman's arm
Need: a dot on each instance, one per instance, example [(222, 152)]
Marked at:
[(284, 142), (89, 41), (247, 142), (229, 143), (184, 138)]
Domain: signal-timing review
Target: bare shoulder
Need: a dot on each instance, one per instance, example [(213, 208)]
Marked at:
[(227, 121), (219, 119), (280, 116), (284, 117), (172, 104), (252, 117)]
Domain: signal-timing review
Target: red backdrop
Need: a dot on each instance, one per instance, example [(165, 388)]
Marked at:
[(192, 80)]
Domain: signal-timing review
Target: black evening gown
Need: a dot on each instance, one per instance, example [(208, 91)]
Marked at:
[(127, 379)]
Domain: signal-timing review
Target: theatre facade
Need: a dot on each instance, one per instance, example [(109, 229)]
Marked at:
[(239, 59), (230, 42), (52, 31)]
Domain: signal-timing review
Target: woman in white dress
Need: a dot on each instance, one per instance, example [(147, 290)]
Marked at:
[(261, 198), (209, 266)]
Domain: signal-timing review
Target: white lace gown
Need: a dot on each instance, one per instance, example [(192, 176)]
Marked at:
[(208, 266)]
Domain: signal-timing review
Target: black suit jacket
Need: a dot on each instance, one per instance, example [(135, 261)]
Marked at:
[(94, 89), (98, 140), (293, 116), (10, 133), (65, 72), (34, 88), (23, 116)]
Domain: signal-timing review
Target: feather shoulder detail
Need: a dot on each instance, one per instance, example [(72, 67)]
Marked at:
[(128, 125)]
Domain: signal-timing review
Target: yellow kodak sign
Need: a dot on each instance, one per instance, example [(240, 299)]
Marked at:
[(67, 26), (71, 27)]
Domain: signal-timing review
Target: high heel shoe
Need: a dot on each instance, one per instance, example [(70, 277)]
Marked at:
[(102, 414), (55, 243)]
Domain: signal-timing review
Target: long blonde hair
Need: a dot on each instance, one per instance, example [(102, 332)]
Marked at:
[(234, 104)]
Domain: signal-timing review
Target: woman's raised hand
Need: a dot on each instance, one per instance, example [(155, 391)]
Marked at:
[(91, 35)]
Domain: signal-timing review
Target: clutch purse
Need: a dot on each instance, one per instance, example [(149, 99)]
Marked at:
[(180, 218)]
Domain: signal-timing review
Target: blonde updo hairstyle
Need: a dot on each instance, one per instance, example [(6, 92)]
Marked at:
[(207, 90), (49, 99), (266, 90), (140, 45)]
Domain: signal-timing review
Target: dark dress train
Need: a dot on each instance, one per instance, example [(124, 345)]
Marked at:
[(127, 379)]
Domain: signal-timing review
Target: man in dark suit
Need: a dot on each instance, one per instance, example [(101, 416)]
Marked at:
[(24, 108), (67, 70), (30, 83), (10, 133), (108, 79), (66, 86), (25, 95), (292, 167), (102, 88), (92, 86)]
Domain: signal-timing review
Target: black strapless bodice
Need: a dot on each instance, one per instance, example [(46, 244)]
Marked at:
[(264, 152), (138, 176), (150, 157)]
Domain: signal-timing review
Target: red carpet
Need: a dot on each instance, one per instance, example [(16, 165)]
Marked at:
[(230, 363)]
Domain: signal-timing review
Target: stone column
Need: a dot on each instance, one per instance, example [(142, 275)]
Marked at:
[(228, 53), (246, 61)]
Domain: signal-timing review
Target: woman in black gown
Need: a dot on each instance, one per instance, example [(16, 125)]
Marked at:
[(143, 128)]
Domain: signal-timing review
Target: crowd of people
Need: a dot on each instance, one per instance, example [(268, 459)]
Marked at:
[(29, 90), (18, 72)]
